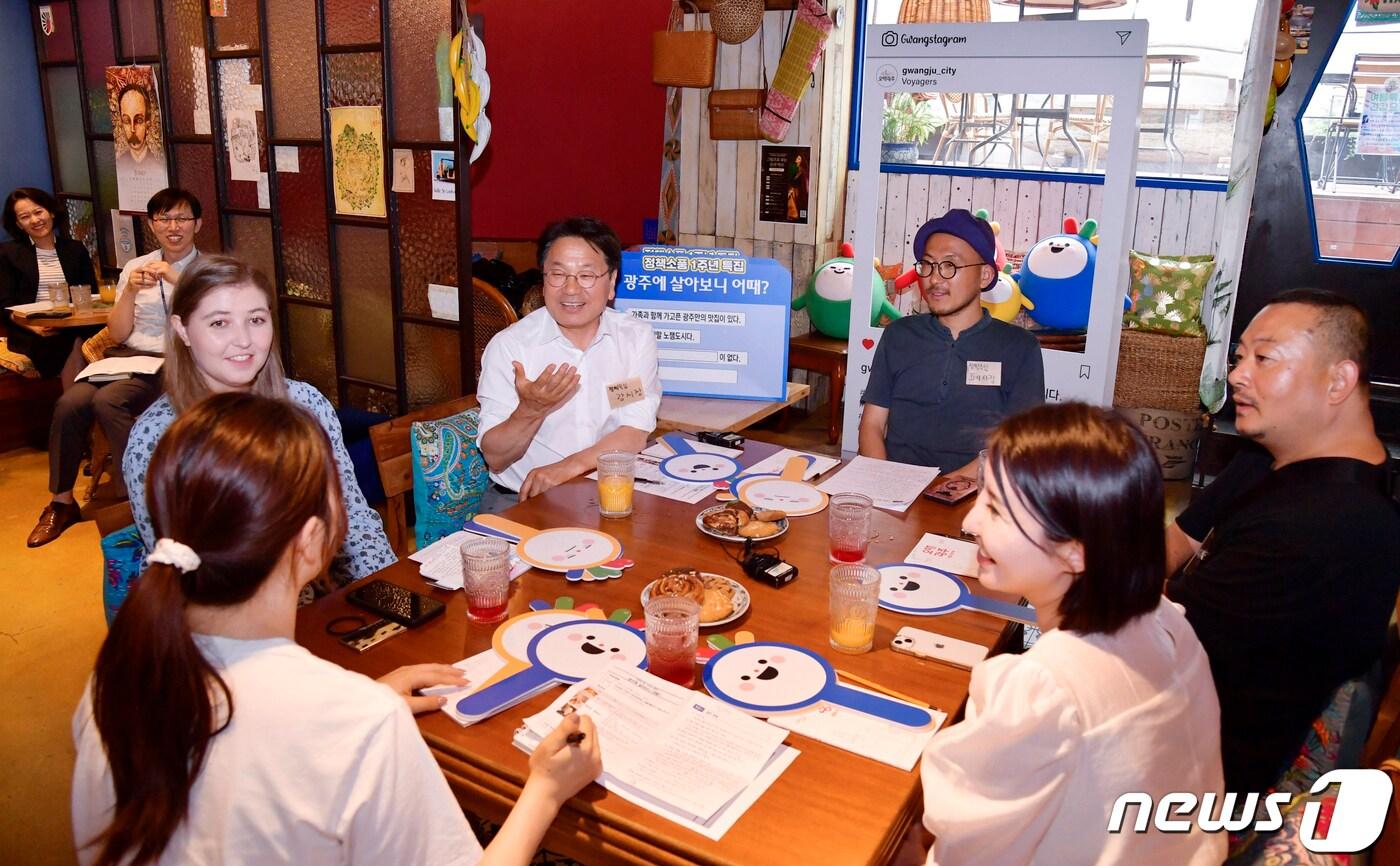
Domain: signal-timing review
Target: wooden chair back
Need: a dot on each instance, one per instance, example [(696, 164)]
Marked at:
[(394, 456), (491, 314)]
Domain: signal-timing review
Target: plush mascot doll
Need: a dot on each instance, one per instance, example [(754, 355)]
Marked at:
[(828, 296), (1004, 299), (1057, 277)]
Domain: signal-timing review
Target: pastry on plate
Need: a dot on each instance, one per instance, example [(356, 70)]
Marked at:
[(724, 521), (758, 529), (771, 515), (684, 582), (717, 605)]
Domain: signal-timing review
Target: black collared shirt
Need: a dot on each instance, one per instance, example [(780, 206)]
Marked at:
[(921, 375)]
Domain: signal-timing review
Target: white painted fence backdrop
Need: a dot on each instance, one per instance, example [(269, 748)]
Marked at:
[(1170, 222)]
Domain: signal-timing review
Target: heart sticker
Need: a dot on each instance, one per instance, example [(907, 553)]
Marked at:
[(868, 343)]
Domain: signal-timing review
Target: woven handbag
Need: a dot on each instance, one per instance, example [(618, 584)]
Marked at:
[(683, 58), (734, 114), (805, 43), (936, 11), (734, 21)]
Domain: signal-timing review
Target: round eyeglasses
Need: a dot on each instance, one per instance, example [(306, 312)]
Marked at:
[(946, 270), (557, 279)]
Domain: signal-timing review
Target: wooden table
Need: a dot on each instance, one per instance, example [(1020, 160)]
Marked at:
[(694, 414), (825, 355), (94, 319), (830, 806)]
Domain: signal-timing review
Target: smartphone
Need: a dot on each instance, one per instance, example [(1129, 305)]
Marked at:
[(394, 602), (375, 633), (951, 489), (940, 648)]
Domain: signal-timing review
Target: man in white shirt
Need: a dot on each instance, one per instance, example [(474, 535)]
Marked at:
[(137, 325), (572, 380)]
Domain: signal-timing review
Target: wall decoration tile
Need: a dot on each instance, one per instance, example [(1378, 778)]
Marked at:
[(301, 206), (366, 313), (295, 72), (427, 240), (312, 342), (432, 364), (415, 32)]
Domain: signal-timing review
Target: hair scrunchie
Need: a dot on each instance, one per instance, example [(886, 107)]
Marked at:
[(171, 552)]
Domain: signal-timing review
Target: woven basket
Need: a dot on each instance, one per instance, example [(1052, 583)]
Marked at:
[(1159, 370), (734, 21), (934, 11)]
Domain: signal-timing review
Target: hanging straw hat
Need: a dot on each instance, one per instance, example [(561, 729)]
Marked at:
[(734, 21)]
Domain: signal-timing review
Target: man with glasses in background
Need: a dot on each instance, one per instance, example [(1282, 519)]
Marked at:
[(137, 326), (940, 381), (571, 380)]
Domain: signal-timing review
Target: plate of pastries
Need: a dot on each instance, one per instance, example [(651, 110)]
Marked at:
[(738, 521), (721, 600)]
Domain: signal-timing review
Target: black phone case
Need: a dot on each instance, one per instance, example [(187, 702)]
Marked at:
[(395, 603)]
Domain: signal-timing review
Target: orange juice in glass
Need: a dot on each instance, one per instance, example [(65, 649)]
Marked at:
[(106, 290), (616, 471), (855, 596)]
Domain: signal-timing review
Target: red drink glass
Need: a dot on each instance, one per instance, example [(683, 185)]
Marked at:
[(672, 630), (486, 578), (848, 523)]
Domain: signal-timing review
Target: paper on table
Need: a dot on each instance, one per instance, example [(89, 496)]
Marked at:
[(650, 480), (120, 368), (949, 554), (893, 486), (774, 464), (688, 751), (477, 669), (897, 745), (441, 561), (36, 307)]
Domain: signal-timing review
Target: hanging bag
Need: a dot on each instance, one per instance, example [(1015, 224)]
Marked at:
[(683, 58), (734, 21), (805, 42), (735, 114)]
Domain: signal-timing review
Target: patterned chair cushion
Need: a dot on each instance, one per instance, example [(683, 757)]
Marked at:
[(15, 362), (449, 475), (1166, 292), (122, 555)]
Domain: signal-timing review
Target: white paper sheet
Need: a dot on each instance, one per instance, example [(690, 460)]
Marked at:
[(949, 554), (686, 754), (442, 302), (477, 669), (893, 486), (288, 159), (241, 140), (440, 563), (774, 463), (120, 368), (884, 741), (403, 170)]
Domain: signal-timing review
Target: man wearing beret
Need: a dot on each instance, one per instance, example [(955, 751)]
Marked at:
[(941, 381)]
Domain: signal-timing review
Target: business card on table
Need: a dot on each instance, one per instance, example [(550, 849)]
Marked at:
[(949, 554)]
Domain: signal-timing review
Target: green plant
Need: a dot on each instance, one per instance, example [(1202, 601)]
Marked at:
[(909, 119)]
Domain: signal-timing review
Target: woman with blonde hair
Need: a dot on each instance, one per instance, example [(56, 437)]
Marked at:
[(221, 338)]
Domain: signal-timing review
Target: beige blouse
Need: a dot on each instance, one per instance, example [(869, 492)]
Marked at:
[(1053, 737)]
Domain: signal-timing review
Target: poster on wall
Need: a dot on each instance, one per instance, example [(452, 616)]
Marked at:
[(140, 149), (783, 184), (444, 165), (720, 318), (1379, 133), (403, 170), (357, 160), (241, 139)]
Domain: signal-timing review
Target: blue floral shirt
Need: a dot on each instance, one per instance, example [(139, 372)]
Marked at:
[(366, 548)]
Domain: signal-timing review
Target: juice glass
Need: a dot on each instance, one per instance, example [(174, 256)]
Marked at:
[(616, 474), (848, 524), (855, 596), (486, 578), (672, 630)]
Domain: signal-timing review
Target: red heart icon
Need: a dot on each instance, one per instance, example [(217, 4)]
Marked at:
[(868, 343)]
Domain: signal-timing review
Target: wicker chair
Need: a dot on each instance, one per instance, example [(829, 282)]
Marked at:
[(393, 454), (491, 314)]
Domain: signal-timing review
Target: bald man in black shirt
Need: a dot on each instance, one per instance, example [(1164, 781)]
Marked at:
[(1292, 555)]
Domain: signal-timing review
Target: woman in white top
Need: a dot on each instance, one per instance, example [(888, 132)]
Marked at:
[(1115, 697), (209, 736)]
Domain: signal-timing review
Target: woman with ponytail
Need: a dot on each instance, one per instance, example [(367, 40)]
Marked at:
[(209, 736)]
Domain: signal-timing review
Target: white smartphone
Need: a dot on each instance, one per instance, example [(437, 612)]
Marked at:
[(941, 648)]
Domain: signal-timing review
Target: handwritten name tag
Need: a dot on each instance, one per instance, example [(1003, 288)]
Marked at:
[(984, 373), (625, 393)]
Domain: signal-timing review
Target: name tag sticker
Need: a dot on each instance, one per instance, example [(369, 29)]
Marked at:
[(984, 373), (625, 393)]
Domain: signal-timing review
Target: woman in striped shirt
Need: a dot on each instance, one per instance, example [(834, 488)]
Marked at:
[(39, 253)]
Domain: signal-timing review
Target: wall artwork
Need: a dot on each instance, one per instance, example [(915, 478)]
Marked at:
[(357, 160), (140, 150), (784, 184), (241, 137)]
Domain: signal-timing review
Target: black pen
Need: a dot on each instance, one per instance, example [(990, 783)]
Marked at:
[(575, 738)]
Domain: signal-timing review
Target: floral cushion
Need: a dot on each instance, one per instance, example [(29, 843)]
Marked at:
[(449, 475), (122, 555), (1166, 292), (1285, 847)]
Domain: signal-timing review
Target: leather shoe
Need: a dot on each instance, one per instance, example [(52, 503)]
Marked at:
[(53, 520)]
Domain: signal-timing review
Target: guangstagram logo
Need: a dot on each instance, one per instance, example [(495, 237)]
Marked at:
[(1357, 818)]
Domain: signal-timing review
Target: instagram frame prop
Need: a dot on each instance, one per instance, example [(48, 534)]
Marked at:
[(1041, 57)]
